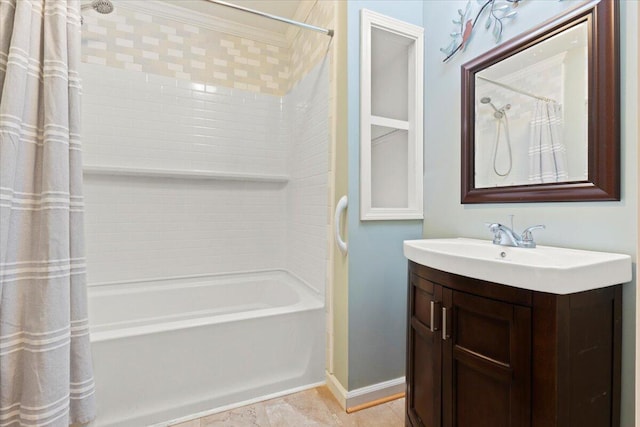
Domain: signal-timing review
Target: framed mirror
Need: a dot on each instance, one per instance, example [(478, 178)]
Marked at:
[(541, 115)]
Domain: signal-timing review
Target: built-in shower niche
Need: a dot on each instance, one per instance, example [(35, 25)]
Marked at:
[(391, 119)]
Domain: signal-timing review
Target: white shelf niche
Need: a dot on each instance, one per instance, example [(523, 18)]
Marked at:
[(391, 123)]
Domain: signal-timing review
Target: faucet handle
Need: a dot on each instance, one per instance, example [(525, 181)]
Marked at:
[(494, 227), (527, 236)]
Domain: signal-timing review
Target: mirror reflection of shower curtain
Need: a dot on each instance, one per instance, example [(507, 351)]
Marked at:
[(547, 152)]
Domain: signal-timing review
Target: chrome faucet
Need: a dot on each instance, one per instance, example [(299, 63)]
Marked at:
[(503, 235)]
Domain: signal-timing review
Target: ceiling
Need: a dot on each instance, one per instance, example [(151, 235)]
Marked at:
[(284, 8)]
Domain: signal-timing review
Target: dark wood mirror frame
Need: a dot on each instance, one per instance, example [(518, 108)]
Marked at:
[(603, 129)]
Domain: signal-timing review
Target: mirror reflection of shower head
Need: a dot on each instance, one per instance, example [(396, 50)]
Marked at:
[(497, 113), (486, 100), (501, 112)]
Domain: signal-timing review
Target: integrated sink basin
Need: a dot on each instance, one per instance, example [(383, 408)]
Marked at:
[(544, 268)]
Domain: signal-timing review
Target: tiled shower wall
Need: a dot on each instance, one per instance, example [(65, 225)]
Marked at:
[(307, 191), (143, 227), (137, 119), (151, 115)]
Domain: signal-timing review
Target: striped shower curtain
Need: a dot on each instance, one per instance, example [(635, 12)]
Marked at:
[(46, 376), (547, 152)]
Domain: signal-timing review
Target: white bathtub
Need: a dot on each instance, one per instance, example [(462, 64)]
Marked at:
[(168, 349)]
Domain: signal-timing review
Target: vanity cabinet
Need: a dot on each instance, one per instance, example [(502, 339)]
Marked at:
[(484, 354)]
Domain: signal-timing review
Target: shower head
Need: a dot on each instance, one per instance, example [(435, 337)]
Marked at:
[(101, 6), (497, 113)]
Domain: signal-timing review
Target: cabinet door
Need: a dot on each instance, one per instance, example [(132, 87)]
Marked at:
[(486, 352), (424, 355)]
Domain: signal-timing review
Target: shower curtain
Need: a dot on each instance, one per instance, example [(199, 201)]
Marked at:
[(46, 376), (547, 152)]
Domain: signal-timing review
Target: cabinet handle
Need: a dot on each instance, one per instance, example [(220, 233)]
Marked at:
[(432, 320), (445, 334)]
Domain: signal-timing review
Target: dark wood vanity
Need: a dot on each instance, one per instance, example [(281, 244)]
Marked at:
[(481, 354)]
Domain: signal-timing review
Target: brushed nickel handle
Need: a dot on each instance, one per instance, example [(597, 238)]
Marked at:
[(445, 334), (432, 320)]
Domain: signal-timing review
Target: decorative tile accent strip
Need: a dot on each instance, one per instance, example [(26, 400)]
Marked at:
[(182, 51), (140, 41), (310, 47)]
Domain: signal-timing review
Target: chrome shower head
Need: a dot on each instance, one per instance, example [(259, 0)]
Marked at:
[(501, 112), (101, 6), (498, 114)]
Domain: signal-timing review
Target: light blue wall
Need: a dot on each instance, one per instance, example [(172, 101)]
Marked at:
[(605, 226), (377, 268)]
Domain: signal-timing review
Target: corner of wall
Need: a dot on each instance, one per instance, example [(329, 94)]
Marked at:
[(338, 363), (637, 389)]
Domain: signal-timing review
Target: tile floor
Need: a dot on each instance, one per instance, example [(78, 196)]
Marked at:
[(314, 407)]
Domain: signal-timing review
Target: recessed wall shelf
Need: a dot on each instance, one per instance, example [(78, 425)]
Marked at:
[(389, 123), (391, 74), (182, 174)]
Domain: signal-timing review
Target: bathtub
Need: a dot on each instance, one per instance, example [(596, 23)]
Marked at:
[(168, 349)]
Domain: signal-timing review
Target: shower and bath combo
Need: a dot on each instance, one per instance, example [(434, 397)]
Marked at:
[(502, 123)]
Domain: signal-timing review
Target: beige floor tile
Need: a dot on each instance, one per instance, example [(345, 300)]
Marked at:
[(314, 407), (377, 416), (327, 397), (385, 415), (306, 408), (192, 423), (398, 406), (247, 416)]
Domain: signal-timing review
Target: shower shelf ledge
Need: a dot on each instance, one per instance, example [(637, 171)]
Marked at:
[(182, 174)]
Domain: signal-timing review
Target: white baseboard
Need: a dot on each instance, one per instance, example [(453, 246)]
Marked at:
[(337, 390), (360, 396)]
